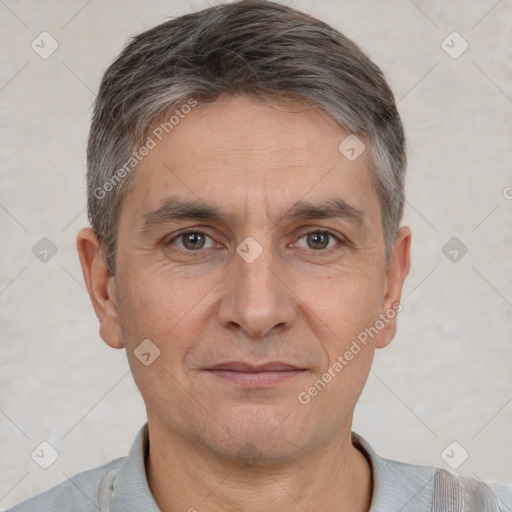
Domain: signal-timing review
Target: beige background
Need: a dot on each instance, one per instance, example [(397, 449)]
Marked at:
[(446, 377)]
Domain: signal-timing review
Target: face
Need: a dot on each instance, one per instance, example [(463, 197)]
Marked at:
[(251, 255)]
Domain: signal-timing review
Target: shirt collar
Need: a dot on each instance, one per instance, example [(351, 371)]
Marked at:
[(394, 483), (130, 486)]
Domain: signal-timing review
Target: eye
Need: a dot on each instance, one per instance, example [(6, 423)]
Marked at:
[(318, 240), (192, 241)]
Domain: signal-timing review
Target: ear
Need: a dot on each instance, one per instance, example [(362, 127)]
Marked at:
[(396, 272), (101, 286)]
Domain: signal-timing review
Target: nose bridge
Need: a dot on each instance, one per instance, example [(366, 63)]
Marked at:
[(256, 278), (257, 300), (255, 268)]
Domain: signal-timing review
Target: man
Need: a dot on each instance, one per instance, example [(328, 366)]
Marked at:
[(245, 190)]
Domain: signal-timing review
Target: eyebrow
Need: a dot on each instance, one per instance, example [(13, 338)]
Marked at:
[(331, 208), (175, 209)]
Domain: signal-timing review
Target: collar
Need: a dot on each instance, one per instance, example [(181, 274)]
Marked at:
[(127, 487), (396, 486)]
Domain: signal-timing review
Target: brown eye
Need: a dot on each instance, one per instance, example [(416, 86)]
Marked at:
[(192, 241), (318, 240)]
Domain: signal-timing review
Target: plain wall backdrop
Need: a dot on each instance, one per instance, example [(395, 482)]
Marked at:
[(447, 375)]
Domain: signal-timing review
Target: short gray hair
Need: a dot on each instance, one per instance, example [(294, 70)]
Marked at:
[(251, 47)]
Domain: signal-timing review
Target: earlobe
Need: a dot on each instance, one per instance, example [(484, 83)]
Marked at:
[(101, 287), (396, 272)]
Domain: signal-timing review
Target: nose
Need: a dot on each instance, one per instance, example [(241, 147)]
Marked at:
[(257, 299)]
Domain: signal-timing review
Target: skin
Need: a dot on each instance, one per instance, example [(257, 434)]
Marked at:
[(216, 445)]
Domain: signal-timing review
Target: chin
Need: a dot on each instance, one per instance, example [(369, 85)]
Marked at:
[(259, 434)]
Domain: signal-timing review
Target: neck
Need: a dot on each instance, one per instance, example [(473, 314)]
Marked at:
[(183, 477)]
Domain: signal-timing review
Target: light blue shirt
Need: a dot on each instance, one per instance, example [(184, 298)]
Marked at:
[(121, 486)]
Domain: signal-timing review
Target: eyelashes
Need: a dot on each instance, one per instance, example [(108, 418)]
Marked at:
[(195, 241)]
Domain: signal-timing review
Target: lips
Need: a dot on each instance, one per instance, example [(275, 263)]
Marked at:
[(254, 376), (237, 366)]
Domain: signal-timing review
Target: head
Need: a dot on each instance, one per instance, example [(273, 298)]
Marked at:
[(245, 191)]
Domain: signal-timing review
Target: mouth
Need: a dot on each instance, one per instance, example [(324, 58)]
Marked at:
[(255, 376)]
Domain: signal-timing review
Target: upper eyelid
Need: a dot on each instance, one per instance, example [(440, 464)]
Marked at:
[(321, 230)]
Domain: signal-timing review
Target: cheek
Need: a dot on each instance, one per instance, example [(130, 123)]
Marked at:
[(157, 306), (340, 315), (171, 316), (343, 305)]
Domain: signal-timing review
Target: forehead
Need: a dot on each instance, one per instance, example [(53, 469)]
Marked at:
[(244, 153)]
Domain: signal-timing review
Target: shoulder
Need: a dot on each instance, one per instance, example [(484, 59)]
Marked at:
[(441, 490), (503, 493), (117, 486), (78, 492), (411, 487)]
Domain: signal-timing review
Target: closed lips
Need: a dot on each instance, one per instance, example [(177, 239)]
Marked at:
[(236, 366)]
